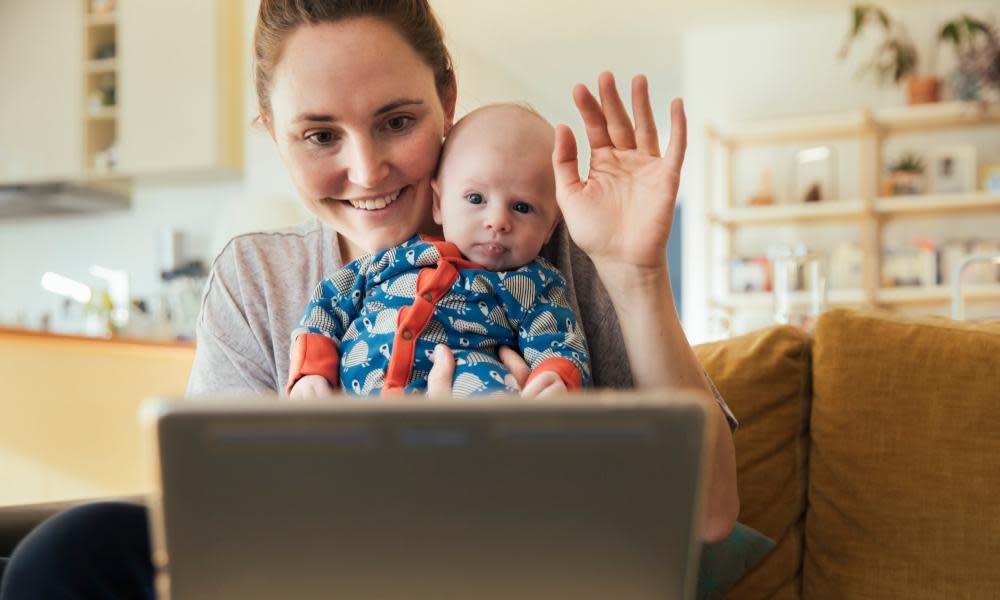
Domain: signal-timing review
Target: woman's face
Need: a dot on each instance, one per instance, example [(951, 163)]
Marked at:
[(358, 123)]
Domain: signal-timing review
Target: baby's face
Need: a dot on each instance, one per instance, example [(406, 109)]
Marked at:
[(495, 189)]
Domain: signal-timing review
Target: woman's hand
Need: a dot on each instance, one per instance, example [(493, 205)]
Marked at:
[(443, 372), (621, 216), (312, 386)]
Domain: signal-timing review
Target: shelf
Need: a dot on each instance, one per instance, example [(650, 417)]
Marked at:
[(106, 113), (791, 213), (102, 20), (766, 299), (894, 120), (935, 294), (103, 65), (937, 115), (796, 129), (937, 203)]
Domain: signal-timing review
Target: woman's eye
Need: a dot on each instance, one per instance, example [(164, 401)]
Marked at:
[(474, 198), (398, 123), (321, 138), (523, 207)]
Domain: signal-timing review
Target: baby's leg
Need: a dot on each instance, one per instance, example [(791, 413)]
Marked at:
[(478, 373)]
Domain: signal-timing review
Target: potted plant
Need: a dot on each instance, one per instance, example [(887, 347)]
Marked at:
[(977, 48), (906, 176), (895, 58)]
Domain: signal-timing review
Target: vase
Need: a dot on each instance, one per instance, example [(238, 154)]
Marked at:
[(965, 85), (921, 90)]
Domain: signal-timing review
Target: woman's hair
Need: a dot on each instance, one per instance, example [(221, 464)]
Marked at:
[(413, 19)]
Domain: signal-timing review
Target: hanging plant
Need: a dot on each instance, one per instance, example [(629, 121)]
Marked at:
[(895, 57), (977, 47)]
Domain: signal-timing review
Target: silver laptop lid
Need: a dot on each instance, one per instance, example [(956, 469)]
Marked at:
[(587, 496)]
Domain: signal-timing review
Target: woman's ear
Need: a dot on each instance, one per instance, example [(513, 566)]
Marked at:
[(266, 122), (449, 98), (436, 202)]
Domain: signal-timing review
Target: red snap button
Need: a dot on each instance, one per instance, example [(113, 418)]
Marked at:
[(407, 334)]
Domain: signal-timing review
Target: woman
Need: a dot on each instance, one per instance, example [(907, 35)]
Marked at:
[(358, 95)]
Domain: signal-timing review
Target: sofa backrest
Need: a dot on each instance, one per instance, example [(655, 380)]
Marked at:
[(765, 379), (904, 468)]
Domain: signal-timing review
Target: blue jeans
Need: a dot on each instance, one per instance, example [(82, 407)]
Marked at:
[(96, 551)]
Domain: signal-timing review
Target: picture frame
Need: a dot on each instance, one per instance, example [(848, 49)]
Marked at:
[(815, 174), (749, 274), (952, 170), (989, 178)]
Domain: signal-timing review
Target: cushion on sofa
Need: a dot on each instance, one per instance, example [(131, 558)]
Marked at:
[(764, 377), (904, 457)]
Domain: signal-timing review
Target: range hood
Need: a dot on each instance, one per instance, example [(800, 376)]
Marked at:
[(60, 198)]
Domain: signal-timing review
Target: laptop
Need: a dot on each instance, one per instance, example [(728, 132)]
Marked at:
[(584, 496)]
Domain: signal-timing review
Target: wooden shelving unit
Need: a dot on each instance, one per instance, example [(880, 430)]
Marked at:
[(870, 212), (99, 91)]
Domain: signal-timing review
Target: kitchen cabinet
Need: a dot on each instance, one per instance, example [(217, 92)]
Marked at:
[(40, 108), (181, 72), (69, 413)]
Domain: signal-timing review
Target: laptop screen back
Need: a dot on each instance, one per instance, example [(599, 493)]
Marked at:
[(580, 498)]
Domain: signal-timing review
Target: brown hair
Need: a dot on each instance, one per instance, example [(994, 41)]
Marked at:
[(414, 20)]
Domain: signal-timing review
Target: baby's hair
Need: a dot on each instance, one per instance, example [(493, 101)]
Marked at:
[(517, 104)]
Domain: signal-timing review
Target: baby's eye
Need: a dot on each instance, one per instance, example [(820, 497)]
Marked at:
[(523, 207), (474, 198), (398, 123)]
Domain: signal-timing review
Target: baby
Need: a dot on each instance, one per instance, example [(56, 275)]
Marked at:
[(373, 325)]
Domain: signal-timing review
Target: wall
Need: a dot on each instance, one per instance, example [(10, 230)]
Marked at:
[(788, 66)]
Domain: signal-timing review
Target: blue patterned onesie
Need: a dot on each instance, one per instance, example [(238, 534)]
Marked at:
[(373, 324)]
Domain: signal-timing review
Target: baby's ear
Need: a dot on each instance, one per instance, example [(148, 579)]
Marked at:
[(555, 223), (436, 202)]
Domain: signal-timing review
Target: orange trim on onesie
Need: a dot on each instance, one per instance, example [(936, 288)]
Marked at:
[(564, 368), (432, 284), (313, 354)]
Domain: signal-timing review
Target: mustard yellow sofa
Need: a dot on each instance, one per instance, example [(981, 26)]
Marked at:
[(870, 452)]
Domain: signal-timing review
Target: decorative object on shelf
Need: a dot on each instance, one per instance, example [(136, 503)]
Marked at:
[(982, 274), (989, 178), (764, 194), (815, 174), (107, 87), (106, 160), (906, 176), (104, 51), (846, 266), (990, 261), (953, 170), (749, 274), (977, 48), (895, 58), (102, 7), (800, 289)]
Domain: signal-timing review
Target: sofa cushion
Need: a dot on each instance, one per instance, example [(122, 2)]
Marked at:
[(904, 457), (764, 377)]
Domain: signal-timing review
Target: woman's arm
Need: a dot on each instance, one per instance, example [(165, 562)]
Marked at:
[(621, 216)]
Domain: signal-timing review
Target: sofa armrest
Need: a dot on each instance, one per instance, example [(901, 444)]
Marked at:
[(18, 520)]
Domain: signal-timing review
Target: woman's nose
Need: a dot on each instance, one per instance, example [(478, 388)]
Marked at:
[(368, 166)]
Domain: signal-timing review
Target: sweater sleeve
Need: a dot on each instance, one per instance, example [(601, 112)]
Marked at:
[(315, 342), (550, 336)]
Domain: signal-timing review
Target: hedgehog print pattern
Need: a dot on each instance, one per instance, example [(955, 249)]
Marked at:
[(528, 309)]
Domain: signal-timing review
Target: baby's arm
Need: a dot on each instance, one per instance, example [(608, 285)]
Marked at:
[(315, 342), (551, 340)]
